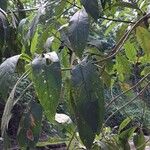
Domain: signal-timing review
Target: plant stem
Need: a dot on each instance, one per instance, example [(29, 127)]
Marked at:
[(116, 20), (113, 100)]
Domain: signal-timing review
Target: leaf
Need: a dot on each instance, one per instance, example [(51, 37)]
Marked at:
[(59, 9), (46, 74), (29, 135), (145, 71), (124, 137), (91, 7), (30, 125), (124, 124), (139, 141), (143, 38), (87, 101), (34, 42), (7, 72), (32, 31), (78, 32), (130, 51), (48, 43), (34, 23), (3, 4), (127, 134), (122, 69), (126, 4)]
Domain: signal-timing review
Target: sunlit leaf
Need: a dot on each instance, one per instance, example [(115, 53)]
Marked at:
[(59, 9), (124, 123), (130, 51), (143, 37)]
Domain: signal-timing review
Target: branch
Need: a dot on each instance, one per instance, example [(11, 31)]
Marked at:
[(133, 99), (121, 42), (116, 20), (113, 100), (22, 10)]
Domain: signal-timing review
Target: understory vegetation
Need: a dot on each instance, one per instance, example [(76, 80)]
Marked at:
[(74, 74)]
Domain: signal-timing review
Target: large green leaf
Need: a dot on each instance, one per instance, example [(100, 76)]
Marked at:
[(9, 106), (78, 31), (92, 7), (143, 37), (30, 125), (7, 72), (124, 124), (87, 101), (46, 73)]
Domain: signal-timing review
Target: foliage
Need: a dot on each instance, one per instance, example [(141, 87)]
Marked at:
[(91, 55)]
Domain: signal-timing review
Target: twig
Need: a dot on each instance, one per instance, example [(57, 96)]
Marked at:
[(133, 99), (121, 42), (74, 133), (23, 10), (116, 20)]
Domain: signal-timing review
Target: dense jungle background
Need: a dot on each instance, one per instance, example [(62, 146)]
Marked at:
[(75, 74)]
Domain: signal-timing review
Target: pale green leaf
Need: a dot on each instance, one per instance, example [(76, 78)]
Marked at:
[(130, 51)]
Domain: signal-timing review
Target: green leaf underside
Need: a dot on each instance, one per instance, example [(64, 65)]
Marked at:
[(87, 101), (78, 32)]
